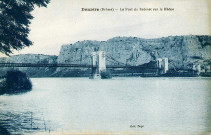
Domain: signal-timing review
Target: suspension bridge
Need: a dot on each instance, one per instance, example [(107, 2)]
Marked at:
[(98, 64)]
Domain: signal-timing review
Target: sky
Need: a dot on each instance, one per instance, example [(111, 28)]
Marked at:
[(63, 22)]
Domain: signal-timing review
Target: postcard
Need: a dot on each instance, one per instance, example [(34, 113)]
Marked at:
[(114, 67)]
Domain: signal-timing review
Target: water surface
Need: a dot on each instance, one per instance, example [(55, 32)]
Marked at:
[(166, 105)]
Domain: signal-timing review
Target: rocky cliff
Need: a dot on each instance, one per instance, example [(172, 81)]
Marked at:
[(182, 52), (30, 58)]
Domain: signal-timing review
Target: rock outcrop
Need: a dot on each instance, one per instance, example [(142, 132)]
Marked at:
[(182, 52)]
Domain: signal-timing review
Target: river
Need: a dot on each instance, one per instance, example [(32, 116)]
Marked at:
[(133, 104)]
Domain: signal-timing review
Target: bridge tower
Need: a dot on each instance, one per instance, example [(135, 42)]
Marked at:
[(98, 64), (165, 63), (162, 64)]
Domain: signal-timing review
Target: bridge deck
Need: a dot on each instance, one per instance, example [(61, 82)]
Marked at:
[(66, 65)]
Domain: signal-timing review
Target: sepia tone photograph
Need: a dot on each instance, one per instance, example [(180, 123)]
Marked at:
[(96, 67)]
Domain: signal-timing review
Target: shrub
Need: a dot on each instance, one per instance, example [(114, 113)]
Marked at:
[(15, 82)]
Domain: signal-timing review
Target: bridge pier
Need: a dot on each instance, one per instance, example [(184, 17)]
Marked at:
[(98, 64)]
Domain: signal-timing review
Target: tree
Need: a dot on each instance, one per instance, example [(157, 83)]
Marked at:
[(15, 17), (15, 82)]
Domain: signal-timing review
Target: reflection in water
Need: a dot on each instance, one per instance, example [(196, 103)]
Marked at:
[(24, 122), (79, 104)]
